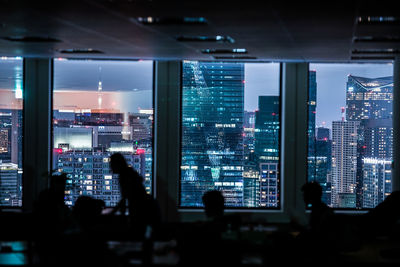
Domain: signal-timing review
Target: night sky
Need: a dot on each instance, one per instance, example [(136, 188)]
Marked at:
[(331, 86), (135, 78)]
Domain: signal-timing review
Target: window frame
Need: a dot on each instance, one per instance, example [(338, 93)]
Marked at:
[(280, 177), (8, 207), (351, 210), (153, 177)]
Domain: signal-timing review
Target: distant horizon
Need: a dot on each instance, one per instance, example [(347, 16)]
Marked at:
[(137, 76)]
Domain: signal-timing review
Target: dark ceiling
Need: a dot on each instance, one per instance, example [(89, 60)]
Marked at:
[(142, 29)]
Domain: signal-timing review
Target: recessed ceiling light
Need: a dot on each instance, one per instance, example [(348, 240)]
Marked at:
[(376, 51), (80, 51), (234, 57), (31, 39), (217, 38), (376, 39), (225, 51), (172, 20), (378, 20), (372, 58)]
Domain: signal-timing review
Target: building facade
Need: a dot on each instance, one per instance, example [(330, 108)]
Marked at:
[(212, 154)]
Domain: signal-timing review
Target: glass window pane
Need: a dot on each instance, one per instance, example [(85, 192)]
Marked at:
[(230, 133), (99, 108), (350, 133), (11, 104)]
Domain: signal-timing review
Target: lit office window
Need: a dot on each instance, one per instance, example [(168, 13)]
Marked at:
[(350, 133), (11, 104), (99, 108), (230, 133)]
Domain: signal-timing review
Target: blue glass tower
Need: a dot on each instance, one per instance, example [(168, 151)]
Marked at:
[(267, 128), (212, 132)]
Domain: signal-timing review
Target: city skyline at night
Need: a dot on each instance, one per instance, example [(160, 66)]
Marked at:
[(104, 113)]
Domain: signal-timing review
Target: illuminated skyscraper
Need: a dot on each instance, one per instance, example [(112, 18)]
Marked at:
[(344, 162), (369, 98), (312, 106), (88, 173), (212, 132), (267, 128), (10, 193), (369, 101), (377, 181)]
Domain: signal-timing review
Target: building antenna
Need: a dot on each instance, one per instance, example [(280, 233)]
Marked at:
[(99, 90)]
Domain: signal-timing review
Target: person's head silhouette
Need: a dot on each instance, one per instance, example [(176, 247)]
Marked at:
[(117, 163), (214, 203), (312, 193), (57, 186)]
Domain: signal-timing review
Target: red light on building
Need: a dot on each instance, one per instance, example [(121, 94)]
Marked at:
[(58, 150), (140, 151), (273, 113)]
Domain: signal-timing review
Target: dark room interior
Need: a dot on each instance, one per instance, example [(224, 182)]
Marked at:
[(191, 133)]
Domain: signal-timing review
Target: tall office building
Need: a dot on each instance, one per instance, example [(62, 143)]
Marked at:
[(267, 130), (251, 188), (11, 157), (212, 132), (369, 101), (377, 181), (344, 163), (369, 98), (378, 138), (312, 107), (4, 141), (319, 167), (89, 173), (142, 125), (269, 185), (10, 193)]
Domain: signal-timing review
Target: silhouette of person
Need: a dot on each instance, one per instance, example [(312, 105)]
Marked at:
[(318, 240), (320, 212), (84, 244), (214, 204), (143, 209), (50, 208), (52, 218), (208, 238), (86, 212)]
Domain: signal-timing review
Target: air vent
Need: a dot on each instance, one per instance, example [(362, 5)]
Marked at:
[(379, 20), (172, 21), (376, 39), (225, 51), (218, 38), (376, 51), (234, 57), (31, 39), (372, 58), (80, 51)]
